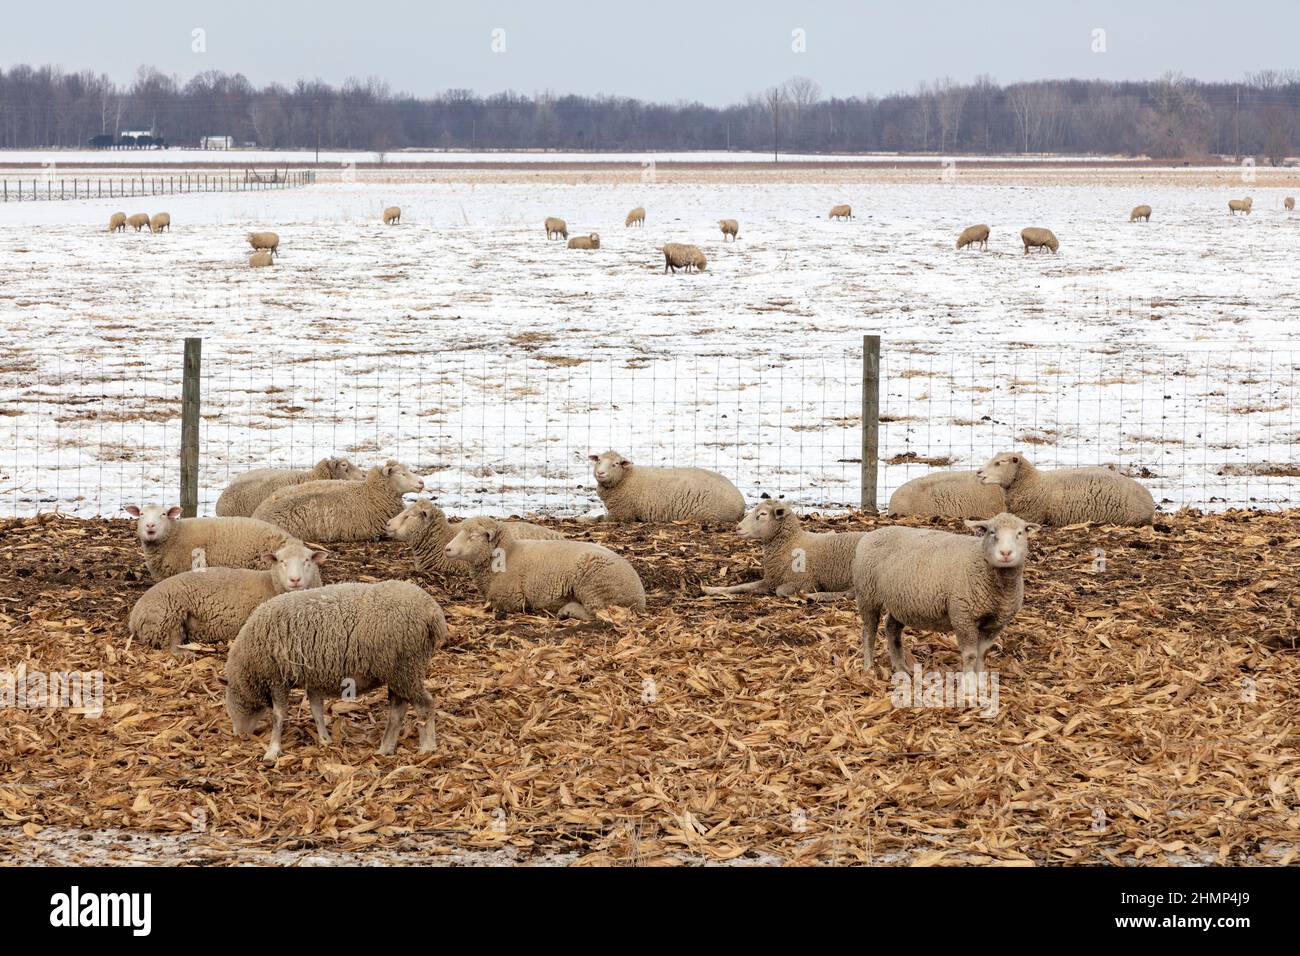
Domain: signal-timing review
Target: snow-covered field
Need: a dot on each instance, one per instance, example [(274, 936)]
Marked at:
[(493, 361)]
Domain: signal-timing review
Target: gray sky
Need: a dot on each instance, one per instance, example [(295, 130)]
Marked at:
[(715, 52)]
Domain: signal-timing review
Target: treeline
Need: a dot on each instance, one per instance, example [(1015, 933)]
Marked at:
[(1172, 117)]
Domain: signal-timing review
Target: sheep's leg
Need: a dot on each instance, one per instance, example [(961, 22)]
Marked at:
[(280, 710), (827, 595), (972, 661), (986, 640), (428, 736), (576, 611), (317, 702), (393, 729), (870, 624), (749, 587), (899, 656)]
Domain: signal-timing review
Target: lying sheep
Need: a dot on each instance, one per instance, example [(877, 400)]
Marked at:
[(1140, 212), (265, 240), (556, 227), (585, 242), (332, 510), (678, 255), (139, 220), (259, 260), (569, 578), (818, 564), (730, 227), (339, 640), (247, 491), (1068, 495), (974, 235), (841, 212), (948, 494), (160, 222), (1036, 238), (1288, 203), (169, 541), (393, 214), (645, 493), (635, 217), (117, 222), (940, 581), (210, 605), (425, 529), (1240, 206)]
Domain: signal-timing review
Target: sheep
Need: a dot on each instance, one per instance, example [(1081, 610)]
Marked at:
[(332, 510), (1037, 238), (585, 242), (948, 494), (242, 496), (393, 214), (117, 222), (139, 220), (1140, 212), (1288, 203), (570, 578), (210, 605), (261, 259), (635, 217), (169, 541), (974, 235), (679, 255), (1240, 206), (844, 211), (339, 640), (265, 240), (161, 221), (730, 227), (644, 493), (425, 529), (1068, 495), (556, 227), (939, 581), (819, 564)]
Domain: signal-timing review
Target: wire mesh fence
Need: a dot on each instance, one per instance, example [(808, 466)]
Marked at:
[(509, 431)]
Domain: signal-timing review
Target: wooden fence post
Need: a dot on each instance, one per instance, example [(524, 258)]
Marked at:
[(870, 421), (190, 428)]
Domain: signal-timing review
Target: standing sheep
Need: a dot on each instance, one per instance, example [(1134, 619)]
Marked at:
[(265, 240), (585, 242), (948, 494), (160, 222), (1240, 206), (844, 211), (242, 496), (210, 605), (393, 214), (974, 235), (568, 578), (818, 564), (730, 227), (425, 529), (139, 220), (331, 510), (1068, 495), (678, 255), (339, 640), (556, 227), (169, 541), (645, 493), (635, 217), (1036, 238), (1140, 212), (117, 222), (940, 581)]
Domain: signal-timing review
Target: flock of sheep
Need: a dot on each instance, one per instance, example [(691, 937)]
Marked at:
[(250, 576)]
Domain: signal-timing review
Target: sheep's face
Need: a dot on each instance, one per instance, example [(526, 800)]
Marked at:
[(1005, 540), (1001, 470), (295, 566), (153, 523), (400, 478), (763, 521), (340, 469), (421, 514), (474, 542), (245, 716), (609, 468)]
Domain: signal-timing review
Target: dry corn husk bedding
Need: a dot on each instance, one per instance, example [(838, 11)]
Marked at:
[(1147, 714)]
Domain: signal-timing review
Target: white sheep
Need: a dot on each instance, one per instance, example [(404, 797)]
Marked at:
[(210, 605), (556, 227), (139, 220), (949, 494), (1068, 495), (635, 217), (328, 511), (585, 242), (242, 496), (260, 260), (393, 214), (568, 578), (1240, 206), (1036, 238), (160, 222), (818, 564), (1288, 203), (265, 240), (730, 227), (974, 236), (1140, 212), (169, 541), (339, 640), (645, 493), (117, 222), (425, 529), (843, 211), (940, 581), (679, 255)]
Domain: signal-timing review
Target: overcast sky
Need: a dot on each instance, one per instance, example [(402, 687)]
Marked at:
[(715, 52)]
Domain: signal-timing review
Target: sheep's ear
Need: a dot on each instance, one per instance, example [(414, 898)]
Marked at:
[(132, 510), (1033, 528), (493, 534), (268, 557), (319, 557), (979, 527), (593, 457), (625, 463), (780, 511), (174, 512), (1015, 459)]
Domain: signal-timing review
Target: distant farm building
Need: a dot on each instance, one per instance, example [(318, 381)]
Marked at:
[(216, 142)]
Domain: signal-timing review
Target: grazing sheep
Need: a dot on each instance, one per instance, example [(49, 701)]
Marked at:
[(644, 493), (569, 578), (556, 227), (1240, 206), (940, 581), (1036, 238), (635, 217), (160, 222), (948, 494), (1068, 495), (265, 240), (332, 510), (974, 235), (844, 211), (1288, 203), (393, 214), (247, 491), (1140, 212), (139, 220), (679, 255), (425, 529), (339, 640), (819, 564), (730, 227), (169, 541), (208, 605), (117, 222), (259, 260), (585, 242)]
